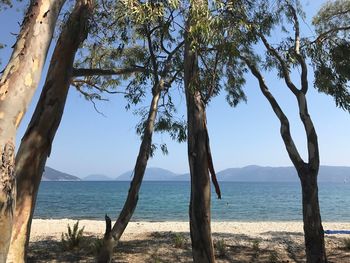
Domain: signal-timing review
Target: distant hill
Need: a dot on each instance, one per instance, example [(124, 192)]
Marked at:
[(255, 173), (154, 174), (252, 173), (97, 177), (54, 175)]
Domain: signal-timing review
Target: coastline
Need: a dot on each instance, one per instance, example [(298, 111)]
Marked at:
[(44, 227)]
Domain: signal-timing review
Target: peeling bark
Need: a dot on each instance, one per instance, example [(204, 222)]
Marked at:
[(17, 86), (36, 142), (199, 160)]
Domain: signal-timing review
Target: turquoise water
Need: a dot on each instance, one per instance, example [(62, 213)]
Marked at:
[(161, 201)]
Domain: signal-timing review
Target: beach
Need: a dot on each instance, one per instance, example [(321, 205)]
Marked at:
[(159, 241)]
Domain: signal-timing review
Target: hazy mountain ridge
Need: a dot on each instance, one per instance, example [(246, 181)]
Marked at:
[(51, 174), (153, 174), (252, 173)]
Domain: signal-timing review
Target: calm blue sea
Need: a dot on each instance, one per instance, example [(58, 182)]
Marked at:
[(161, 201)]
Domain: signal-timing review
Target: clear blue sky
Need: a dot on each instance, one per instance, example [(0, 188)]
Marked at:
[(88, 143)]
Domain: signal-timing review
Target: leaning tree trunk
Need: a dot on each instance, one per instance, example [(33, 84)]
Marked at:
[(113, 235), (198, 152), (17, 86), (314, 234), (36, 143)]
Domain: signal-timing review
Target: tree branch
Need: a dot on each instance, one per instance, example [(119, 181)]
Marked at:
[(284, 66), (285, 128), (300, 58), (152, 55), (84, 72), (324, 35)]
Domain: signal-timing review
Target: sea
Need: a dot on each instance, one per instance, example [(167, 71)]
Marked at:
[(169, 201)]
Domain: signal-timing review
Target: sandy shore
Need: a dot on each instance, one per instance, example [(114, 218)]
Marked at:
[(154, 241), (54, 228)]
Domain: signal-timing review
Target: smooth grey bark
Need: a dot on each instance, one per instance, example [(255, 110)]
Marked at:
[(17, 86), (307, 171)]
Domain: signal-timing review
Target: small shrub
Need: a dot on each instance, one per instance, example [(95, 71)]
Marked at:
[(346, 243), (221, 248), (73, 237), (273, 257), (256, 245), (179, 240)]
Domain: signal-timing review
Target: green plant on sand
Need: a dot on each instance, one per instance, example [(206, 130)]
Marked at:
[(73, 237), (221, 248), (179, 240)]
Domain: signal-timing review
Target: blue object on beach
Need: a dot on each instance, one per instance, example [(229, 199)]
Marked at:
[(337, 232)]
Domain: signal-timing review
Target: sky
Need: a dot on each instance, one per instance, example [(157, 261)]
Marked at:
[(90, 143)]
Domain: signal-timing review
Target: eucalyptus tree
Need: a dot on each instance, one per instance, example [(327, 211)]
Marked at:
[(146, 45), (207, 71), (199, 156), (151, 25), (330, 51), (151, 36), (36, 143), (18, 82), (251, 30)]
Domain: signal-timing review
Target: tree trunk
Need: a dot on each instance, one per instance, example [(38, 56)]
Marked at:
[(313, 230), (17, 86), (199, 210), (112, 237), (37, 141)]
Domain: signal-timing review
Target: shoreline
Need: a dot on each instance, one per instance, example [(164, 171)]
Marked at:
[(43, 227)]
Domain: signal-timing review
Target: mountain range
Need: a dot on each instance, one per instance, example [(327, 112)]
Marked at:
[(252, 173), (51, 174)]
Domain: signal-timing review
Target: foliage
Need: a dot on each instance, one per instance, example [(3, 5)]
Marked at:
[(149, 36), (221, 248), (135, 35), (179, 240), (330, 51), (256, 245), (4, 4), (73, 237)]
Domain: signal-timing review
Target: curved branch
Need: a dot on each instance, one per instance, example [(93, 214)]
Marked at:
[(84, 72), (285, 128), (283, 64)]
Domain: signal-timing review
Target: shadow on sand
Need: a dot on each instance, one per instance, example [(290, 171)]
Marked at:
[(159, 247)]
